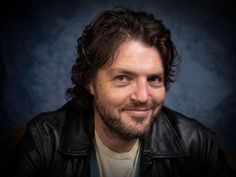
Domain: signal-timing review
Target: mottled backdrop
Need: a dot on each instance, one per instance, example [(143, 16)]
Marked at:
[(38, 48)]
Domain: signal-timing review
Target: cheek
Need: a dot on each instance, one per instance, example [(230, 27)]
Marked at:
[(114, 97), (158, 95)]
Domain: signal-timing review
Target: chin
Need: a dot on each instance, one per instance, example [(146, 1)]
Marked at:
[(137, 130)]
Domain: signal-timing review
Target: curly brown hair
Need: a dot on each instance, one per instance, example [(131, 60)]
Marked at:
[(100, 40)]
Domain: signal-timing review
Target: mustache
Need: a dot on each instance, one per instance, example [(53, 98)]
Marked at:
[(139, 106)]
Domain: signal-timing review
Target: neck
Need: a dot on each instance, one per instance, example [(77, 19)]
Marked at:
[(110, 138)]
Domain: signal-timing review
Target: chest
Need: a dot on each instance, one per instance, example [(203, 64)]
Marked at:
[(82, 167)]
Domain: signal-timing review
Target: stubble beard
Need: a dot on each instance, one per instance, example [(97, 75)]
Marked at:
[(118, 127)]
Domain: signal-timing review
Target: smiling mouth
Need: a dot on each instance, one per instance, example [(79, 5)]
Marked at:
[(138, 113)]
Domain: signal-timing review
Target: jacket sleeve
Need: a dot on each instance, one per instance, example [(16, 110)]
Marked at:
[(215, 162), (29, 160)]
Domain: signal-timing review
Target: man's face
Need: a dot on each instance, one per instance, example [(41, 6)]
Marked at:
[(129, 93)]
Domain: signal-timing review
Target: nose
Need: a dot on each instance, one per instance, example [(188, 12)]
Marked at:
[(140, 93)]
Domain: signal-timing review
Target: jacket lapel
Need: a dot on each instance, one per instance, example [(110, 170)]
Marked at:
[(163, 140)]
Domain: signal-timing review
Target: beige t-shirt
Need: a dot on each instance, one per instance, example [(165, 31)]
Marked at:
[(113, 164)]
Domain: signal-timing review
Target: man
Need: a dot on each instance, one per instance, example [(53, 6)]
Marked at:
[(115, 124)]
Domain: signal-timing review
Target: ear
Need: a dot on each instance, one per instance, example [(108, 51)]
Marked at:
[(90, 87)]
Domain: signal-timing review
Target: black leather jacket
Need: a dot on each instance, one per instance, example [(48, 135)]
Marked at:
[(58, 144)]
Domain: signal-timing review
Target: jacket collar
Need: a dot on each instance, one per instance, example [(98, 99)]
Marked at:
[(162, 141)]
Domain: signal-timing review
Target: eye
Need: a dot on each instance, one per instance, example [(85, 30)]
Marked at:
[(121, 80), (156, 80)]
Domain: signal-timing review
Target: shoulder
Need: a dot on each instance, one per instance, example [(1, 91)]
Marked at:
[(55, 120), (183, 122), (48, 120), (194, 135), (49, 126), (43, 131)]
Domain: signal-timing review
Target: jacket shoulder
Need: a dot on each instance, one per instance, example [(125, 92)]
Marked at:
[(48, 120), (53, 120), (194, 135), (185, 123)]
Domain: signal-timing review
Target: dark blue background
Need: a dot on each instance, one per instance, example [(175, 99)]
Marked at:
[(38, 48)]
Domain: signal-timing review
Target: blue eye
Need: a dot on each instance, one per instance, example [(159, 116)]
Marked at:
[(156, 80), (153, 79), (121, 80)]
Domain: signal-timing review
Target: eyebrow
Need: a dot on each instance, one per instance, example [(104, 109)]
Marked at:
[(124, 71)]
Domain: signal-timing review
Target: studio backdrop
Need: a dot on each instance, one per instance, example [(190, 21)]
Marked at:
[(38, 49)]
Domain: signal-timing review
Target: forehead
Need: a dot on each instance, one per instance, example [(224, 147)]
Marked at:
[(136, 56)]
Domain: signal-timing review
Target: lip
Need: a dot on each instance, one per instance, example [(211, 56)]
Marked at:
[(138, 112)]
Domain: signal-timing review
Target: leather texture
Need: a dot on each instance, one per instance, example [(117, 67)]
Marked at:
[(58, 144)]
